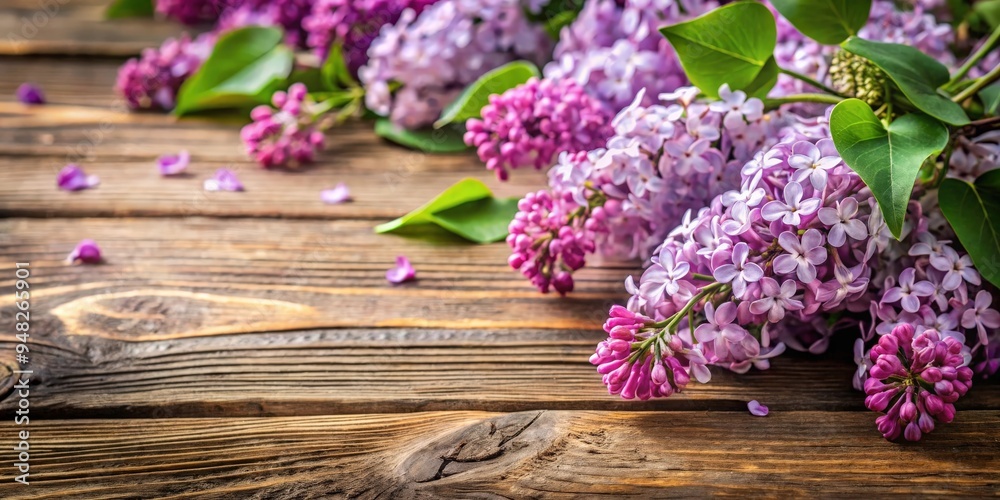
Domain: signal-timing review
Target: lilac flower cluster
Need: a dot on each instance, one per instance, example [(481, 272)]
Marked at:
[(289, 133), (794, 241), (918, 376), (533, 122), (285, 14), (433, 56), (152, 80), (193, 11), (664, 160), (614, 49), (355, 23)]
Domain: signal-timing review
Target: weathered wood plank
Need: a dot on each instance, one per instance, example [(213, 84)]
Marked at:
[(86, 82), (543, 454), (198, 317), (74, 27)]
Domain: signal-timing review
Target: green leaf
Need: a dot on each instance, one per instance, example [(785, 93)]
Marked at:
[(555, 24), (442, 140), (129, 8), (730, 44), (471, 101), (246, 66), (988, 11), (765, 80), (974, 213), (991, 99), (826, 21), (916, 74), (336, 75), (886, 158), (467, 209), (481, 221)]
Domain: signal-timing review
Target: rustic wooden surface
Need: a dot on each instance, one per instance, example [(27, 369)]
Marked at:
[(246, 345)]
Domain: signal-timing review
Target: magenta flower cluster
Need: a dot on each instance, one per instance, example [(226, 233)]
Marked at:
[(193, 11), (289, 134), (152, 80), (288, 15), (915, 378), (433, 56), (530, 124), (354, 23)]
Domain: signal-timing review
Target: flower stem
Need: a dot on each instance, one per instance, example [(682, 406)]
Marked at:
[(815, 83), (703, 277), (793, 98), (978, 85), (975, 57)]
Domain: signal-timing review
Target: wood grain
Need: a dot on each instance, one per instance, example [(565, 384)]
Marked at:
[(538, 454)]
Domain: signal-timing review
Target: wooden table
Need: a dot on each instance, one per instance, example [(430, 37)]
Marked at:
[(247, 345)]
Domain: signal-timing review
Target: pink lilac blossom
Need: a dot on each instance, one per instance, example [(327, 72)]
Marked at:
[(86, 252), (29, 93), (354, 23), (664, 160), (530, 124), (173, 164), (433, 56), (152, 80), (737, 297), (288, 134), (614, 49), (338, 194), (402, 272), (915, 378), (73, 178)]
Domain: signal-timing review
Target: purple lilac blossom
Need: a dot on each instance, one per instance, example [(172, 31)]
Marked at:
[(86, 252), (173, 164), (152, 80), (614, 49), (530, 124), (757, 409), (289, 134), (73, 178), (717, 289), (29, 93), (285, 14), (354, 23), (338, 194), (433, 56), (193, 11), (403, 271), (223, 180), (664, 160), (915, 378)]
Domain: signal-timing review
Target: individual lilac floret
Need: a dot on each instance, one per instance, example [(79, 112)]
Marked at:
[(338, 194), (173, 164), (73, 178), (757, 409), (529, 124), (192, 11), (403, 271), (354, 23), (29, 93), (289, 134), (223, 180), (433, 56), (915, 379), (285, 14), (86, 252), (152, 80)]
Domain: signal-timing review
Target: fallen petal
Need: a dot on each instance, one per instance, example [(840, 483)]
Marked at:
[(29, 93), (73, 178), (402, 272), (757, 409), (223, 180), (338, 194), (86, 252), (173, 164)]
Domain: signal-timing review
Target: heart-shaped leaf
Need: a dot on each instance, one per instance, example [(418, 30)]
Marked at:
[(765, 80), (730, 44), (129, 8), (246, 66), (471, 101), (467, 209), (974, 213), (916, 74), (886, 158), (442, 140), (826, 21)]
